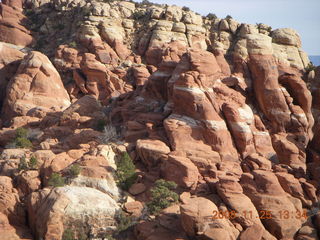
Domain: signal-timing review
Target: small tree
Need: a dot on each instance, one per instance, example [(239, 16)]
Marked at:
[(126, 172), (185, 9), (33, 163), (212, 16), (124, 222), (21, 140), (21, 132), (228, 17), (74, 170), (56, 180), (162, 196), (310, 67)]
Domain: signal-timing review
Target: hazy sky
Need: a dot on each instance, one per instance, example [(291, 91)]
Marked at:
[(302, 15)]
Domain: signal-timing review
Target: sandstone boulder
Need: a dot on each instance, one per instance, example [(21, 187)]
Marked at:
[(85, 210), (36, 86)]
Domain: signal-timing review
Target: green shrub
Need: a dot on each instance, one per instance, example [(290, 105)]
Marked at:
[(228, 17), (33, 163), (124, 222), (109, 237), (21, 132), (162, 196), (23, 164), (184, 8), (68, 234), (126, 172), (56, 180), (138, 15), (22, 142), (310, 67), (74, 170), (212, 16), (73, 44), (100, 125)]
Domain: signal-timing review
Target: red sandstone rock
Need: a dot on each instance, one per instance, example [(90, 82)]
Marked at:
[(41, 88), (11, 28)]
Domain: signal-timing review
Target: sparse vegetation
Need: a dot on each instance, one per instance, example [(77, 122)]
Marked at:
[(74, 170), (59, 26), (126, 174), (21, 140), (310, 67), (33, 163), (109, 237), (23, 143), (212, 16), (21, 132), (73, 44), (100, 125), (184, 8), (56, 180), (109, 134), (68, 234), (162, 196), (23, 165), (228, 17), (138, 15), (41, 43), (124, 222)]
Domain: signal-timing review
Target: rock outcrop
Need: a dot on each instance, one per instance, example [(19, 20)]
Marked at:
[(225, 110), (36, 87)]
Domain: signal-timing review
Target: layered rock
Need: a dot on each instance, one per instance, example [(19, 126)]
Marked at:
[(12, 21), (36, 87), (234, 134)]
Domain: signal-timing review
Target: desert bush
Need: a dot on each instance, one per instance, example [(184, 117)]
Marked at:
[(21, 132), (184, 8), (21, 140), (73, 44), (33, 163), (74, 170), (109, 134), (212, 16), (125, 173), (124, 222), (23, 165), (68, 234), (23, 143), (100, 125), (109, 237), (228, 17), (138, 15), (162, 196), (310, 67), (56, 180)]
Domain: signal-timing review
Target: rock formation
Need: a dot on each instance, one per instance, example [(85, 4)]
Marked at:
[(226, 110)]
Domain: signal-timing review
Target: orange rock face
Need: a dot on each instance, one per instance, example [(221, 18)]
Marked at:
[(36, 86), (225, 110), (12, 29)]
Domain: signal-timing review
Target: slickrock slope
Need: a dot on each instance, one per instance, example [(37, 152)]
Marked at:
[(225, 110)]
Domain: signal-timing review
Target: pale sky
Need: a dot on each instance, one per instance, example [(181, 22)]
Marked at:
[(301, 15)]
